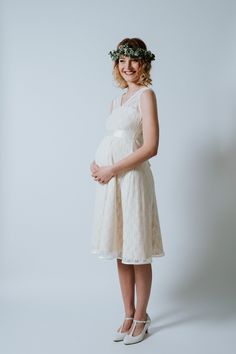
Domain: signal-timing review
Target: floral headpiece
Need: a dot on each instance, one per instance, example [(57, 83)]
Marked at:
[(138, 53)]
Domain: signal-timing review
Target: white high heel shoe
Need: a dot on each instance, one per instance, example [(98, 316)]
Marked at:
[(120, 335), (130, 339)]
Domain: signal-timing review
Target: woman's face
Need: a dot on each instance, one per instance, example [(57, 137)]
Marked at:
[(129, 68)]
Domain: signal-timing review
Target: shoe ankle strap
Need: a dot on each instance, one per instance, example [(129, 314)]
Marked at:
[(134, 325), (139, 321), (129, 318)]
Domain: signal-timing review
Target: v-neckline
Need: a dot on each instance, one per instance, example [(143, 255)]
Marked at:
[(122, 105)]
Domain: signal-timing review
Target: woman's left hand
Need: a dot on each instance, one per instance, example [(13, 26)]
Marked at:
[(103, 174)]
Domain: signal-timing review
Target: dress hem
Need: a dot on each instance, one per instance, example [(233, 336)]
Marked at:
[(125, 261)]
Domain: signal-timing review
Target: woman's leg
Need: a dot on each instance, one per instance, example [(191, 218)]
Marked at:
[(127, 285), (143, 280)]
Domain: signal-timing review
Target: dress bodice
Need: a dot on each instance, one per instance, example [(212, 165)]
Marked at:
[(123, 130), (126, 120)]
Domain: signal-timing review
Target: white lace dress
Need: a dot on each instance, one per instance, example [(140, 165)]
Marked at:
[(126, 223)]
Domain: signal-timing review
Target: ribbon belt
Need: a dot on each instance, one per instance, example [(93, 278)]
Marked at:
[(121, 133)]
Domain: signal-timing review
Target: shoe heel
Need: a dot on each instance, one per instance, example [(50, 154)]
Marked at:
[(146, 330)]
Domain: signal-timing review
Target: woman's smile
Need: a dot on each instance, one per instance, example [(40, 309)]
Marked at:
[(129, 67), (129, 72)]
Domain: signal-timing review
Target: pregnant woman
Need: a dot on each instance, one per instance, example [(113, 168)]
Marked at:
[(126, 223)]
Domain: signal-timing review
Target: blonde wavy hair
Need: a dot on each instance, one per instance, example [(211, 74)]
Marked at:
[(145, 78)]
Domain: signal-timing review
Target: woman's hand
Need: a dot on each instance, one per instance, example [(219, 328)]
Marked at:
[(93, 166), (102, 174)]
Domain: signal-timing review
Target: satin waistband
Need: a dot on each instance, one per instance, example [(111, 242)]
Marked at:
[(121, 133)]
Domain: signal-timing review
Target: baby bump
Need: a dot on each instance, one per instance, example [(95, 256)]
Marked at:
[(112, 149)]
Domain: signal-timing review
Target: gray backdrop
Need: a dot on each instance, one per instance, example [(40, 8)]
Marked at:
[(56, 89)]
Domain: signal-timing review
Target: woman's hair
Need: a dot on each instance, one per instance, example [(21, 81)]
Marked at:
[(144, 78)]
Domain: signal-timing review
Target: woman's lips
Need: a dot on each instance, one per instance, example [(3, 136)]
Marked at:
[(129, 72)]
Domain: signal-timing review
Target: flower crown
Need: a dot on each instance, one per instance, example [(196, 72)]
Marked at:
[(138, 53)]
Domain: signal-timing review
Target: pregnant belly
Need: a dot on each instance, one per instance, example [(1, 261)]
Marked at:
[(112, 149)]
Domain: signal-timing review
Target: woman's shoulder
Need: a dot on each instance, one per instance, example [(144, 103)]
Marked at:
[(148, 88), (147, 91), (148, 96)]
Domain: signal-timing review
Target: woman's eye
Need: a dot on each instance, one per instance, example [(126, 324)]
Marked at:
[(122, 60)]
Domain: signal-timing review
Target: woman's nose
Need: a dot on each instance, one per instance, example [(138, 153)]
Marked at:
[(128, 65)]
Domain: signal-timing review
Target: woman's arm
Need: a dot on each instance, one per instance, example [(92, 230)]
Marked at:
[(148, 105)]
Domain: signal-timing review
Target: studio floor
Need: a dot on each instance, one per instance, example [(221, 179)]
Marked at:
[(59, 323)]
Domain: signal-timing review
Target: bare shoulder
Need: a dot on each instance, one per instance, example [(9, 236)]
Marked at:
[(148, 94), (148, 100)]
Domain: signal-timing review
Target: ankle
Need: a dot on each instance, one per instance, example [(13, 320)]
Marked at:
[(140, 316), (129, 313)]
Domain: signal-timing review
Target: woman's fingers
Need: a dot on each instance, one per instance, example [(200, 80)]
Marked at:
[(94, 169), (93, 166)]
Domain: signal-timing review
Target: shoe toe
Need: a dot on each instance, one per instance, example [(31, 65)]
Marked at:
[(130, 339), (119, 336)]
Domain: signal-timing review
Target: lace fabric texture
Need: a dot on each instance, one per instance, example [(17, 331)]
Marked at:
[(126, 222)]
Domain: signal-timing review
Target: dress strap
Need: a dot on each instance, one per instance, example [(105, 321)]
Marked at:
[(134, 97)]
